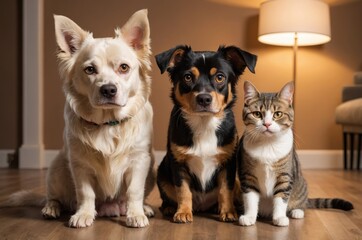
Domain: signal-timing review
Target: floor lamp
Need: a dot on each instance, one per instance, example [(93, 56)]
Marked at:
[(294, 23)]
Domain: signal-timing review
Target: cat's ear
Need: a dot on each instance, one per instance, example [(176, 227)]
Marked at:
[(250, 92), (287, 92)]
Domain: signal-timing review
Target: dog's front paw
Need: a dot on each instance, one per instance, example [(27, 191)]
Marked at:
[(246, 220), (281, 221), (51, 210), (80, 220), (148, 211), (183, 217), (137, 221), (228, 216)]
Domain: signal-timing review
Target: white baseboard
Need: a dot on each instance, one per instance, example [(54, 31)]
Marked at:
[(159, 155), (321, 159), (31, 156), (310, 159), (4, 157)]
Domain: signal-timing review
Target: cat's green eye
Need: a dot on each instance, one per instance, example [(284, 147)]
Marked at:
[(277, 115), (257, 114)]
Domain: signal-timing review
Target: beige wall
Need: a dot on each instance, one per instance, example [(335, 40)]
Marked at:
[(322, 70), (201, 24)]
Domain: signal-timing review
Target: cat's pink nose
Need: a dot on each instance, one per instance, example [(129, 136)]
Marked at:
[(267, 124)]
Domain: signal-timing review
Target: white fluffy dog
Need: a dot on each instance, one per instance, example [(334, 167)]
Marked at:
[(106, 165)]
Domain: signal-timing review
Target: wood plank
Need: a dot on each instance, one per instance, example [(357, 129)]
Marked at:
[(27, 222)]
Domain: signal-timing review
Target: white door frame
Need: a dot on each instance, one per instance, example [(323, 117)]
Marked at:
[(31, 154)]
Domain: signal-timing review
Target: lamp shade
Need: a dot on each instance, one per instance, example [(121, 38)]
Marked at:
[(281, 20)]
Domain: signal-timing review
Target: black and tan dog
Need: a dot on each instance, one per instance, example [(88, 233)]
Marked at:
[(198, 171)]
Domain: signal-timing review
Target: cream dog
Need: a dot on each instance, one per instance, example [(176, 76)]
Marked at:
[(106, 165)]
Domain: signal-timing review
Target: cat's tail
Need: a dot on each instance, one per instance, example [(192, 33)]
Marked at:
[(335, 203), (24, 198)]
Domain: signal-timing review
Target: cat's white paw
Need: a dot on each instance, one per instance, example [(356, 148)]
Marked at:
[(281, 221), (246, 220), (297, 213)]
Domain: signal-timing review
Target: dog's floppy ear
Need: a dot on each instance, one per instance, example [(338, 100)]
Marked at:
[(239, 59), (171, 57), (69, 35), (136, 31)]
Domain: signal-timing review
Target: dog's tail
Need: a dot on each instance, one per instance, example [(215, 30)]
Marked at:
[(24, 198), (335, 203)]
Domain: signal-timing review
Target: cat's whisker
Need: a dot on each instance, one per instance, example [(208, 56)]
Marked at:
[(297, 140)]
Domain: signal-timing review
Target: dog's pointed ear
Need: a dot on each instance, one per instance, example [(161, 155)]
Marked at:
[(69, 35), (136, 31), (171, 57), (239, 59)]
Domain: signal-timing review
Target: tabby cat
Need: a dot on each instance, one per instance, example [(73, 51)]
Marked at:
[(269, 170)]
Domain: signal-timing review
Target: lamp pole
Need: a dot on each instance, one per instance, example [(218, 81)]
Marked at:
[(295, 50)]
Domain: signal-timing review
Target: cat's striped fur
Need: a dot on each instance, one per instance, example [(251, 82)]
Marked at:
[(268, 167)]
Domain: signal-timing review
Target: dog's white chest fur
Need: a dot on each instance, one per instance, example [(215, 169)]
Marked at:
[(204, 148)]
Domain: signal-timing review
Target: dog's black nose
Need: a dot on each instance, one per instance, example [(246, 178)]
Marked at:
[(204, 99), (108, 90)]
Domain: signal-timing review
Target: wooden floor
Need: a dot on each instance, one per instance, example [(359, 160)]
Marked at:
[(27, 222)]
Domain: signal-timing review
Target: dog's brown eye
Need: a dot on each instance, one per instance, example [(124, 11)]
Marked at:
[(219, 78), (257, 114), (90, 70), (188, 78), (278, 115), (123, 68)]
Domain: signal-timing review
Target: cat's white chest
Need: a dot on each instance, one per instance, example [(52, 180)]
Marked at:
[(266, 182), (265, 151), (266, 179), (270, 149)]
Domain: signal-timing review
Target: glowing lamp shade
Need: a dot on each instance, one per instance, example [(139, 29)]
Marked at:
[(282, 21)]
